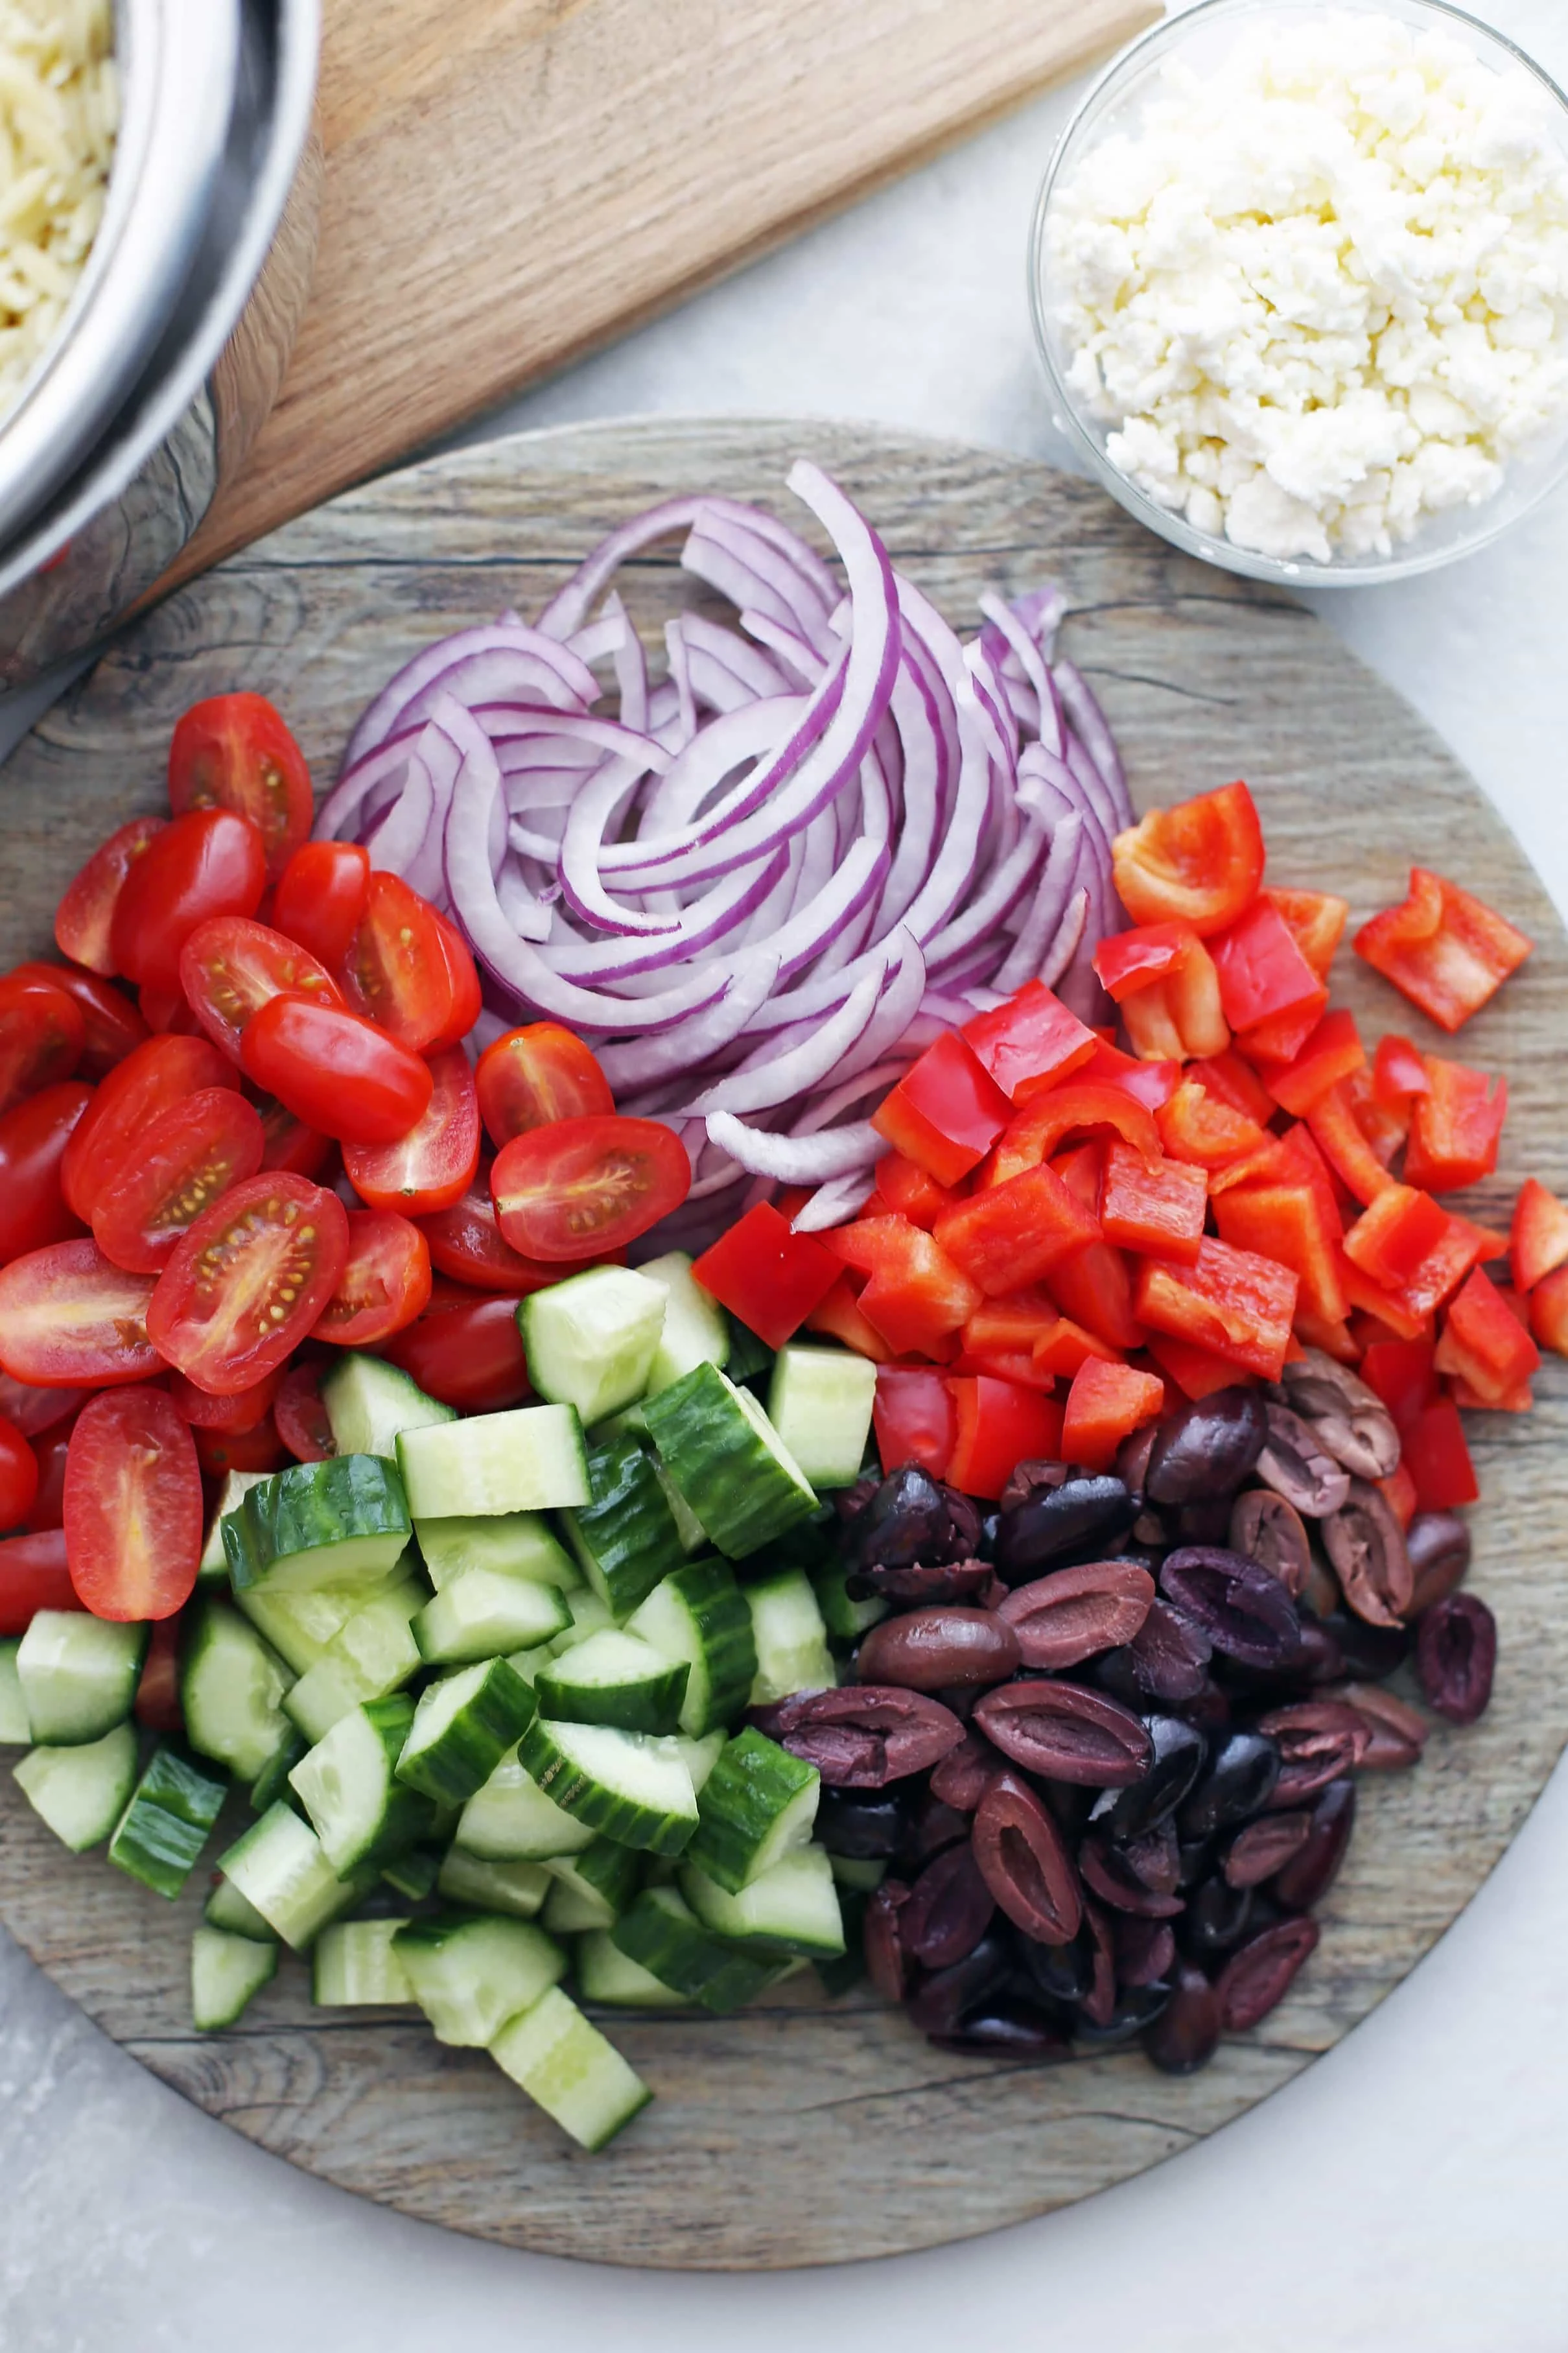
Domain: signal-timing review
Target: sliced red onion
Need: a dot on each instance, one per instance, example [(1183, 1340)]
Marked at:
[(835, 1203), (783, 1077), (505, 661), (1094, 732), (796, 1159), (691, 1043)]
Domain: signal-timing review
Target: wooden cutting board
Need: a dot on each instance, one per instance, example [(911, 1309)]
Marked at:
[(803, 2131), (509, 181)]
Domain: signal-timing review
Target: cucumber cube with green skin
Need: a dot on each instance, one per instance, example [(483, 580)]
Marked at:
[(531, 1459), (632, 1786), (510, 1820), (281, 1866), (300, 1625), (272, 1782), (77, 1674), (413, 1876), (819, 1401), (702, 1756), (696, 1328), (341, 1522), (348, 1785), (661, 1933), (843, 1614), (15, 1730), (462, 1727), (165, 1826), (227, 1971), (469, 1973), (758, 1804), (602, 1879), (627, 1539), (749, 1356), (590, 1341), (370, 1403), (518, 1889), (700, 1615), (589, 1616), (605, 1974), (227, 1908), (80, 1791), (791, 1908), (568, 2069), (231, 1690), (213, 1566), (483, 1614), (728, 1461), (373, 1654), (517, 1543), (614, 1678), (791, 1638), (569, 1910), (354, 1965)]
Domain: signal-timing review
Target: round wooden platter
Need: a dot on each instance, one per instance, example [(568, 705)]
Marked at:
[(807, 2131)]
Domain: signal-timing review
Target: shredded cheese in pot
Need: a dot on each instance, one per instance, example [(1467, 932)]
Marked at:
[(60, 107)]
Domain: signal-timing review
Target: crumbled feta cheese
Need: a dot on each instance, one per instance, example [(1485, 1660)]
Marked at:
[(1320, 292)]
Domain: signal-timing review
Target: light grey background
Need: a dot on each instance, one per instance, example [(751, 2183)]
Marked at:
[(1407, 2195)]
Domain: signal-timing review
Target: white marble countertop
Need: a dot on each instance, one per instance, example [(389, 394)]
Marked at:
[(1407, 2195)]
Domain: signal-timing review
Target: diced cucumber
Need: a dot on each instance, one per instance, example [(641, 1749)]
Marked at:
[(370, 1404), (299, 1626), (272, 1782), (516, 1888), (728, 1460), (607, 1975), (750, 1358), (510, 1820), (165, 1826), (791, 1908), (590, 1340), (632, 1786), (759, 1804), (80, 1791), (225, 1907), (700, 1614), (627, 1539), (602, 1879), (530, 1460), (341, 1522), (79, 1674), (485, 1613), (349, 1787), (662, 1932), (702, 1756), (354, 1966), (517, 1543), (470, 1972), (281, 1866), (413, 1876), (614, 1678), (373, 1654), (691, 1534), (231, 1690), (15, 1732), (568, 2068), (569, 1910), (791, 1638), (462, 1727), (819, 1401), (696, 1329), (845, 1617), (213, 1566), (861, 1873), (589, 1616), (227, 1971)]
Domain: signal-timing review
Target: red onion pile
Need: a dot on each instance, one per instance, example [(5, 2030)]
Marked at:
[(762, 884)]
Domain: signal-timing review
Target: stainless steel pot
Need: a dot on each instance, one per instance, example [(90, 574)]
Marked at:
[(109, 533)]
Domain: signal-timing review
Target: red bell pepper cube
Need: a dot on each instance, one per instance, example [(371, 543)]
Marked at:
[(1385, 1130), (1005, 1365), (1538, 1238), (1490, 1243), (1398, 1492), (1445, 951), (1404, 1375), (1339, 1138), (1106, 1404), (1316, 921), (1154, 1205), (1455, 1127), (1453, 1251), (1196, 1372), (1398, 1073), (916, 1296), (1285, 1223), (1281, 1038), (1434, 1452), (1200, 863), (1164, 980), (945, 1112), (1030, 1043), (1198, 1127), (1483, 1344), (1335, 1339), (1128, 962), (1333, 1052), (840, 1316), (1228, 1079), (1094, 1286), (1393, 1239), (999, 1425), (1232, 1302), (1388, 1307), (1151, 1084), (1520, 1400), (1549, 1311), (1068, 1344), (910, 1192), (999, 1339), (914, 1420), (1082, 1107), (1014, 1234), (1302, 1151), (769, 1277), (1262, 972)]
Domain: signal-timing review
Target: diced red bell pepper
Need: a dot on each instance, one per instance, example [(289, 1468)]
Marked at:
[(945, 1112), (1005, 1365), (769, 1277), (1393, 1239), (1316, 921), (1228, 1079), (1398, 1073), (1283, 1036), (1106, 1404), (1155, 1206), (1180, 1017), (1403, 1373), (1519, 1400), (1387, 1307), (1151, 1084), (1199, 863), (1443, 949), (1484, 1344), (840, 1316), (999, 1425), (1455, 1127), (1196, 1371), (910, 1192), (1398, 1492), (1081, 1107), (1335, 1339), (1285, 1223), (1385, 1130), (914, 1420), (1231, 1302), (1539, 1240), (1197, 1127), (1030, 1043), (1453, 1251), (1338, 1136), (1127, 963), (1333, 1052), (1014, 1234), (1068, 1344), (916, 1296), (1434, 1452), (1549, 1311), (1301, 1148), (1095, 1286), (999, 1338), (1262, 972), (1490, 1243)]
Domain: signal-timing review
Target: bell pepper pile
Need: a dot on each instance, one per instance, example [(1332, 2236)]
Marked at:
[(1063, 1227)]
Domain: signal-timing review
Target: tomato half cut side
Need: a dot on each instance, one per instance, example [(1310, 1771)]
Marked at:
[(247, 1283), (85, 917), (463, 979), (163, 1071), (582, 1186), (465, 1351), (531, 1076), (70, 1320), (260, 1448), (321, 897), (33, 1576), (41, 1037), (396, 973), (232, 1415), (132, 1506), (112, 1026), (301, 1418), (230, 967), (208, 862), (435, 1164), (178, 1167), (467, 1246), (336, 1072), (290, 1144), (33, 1139), (34, 1411), (383, 1287), (18, 1475), (236, 751)]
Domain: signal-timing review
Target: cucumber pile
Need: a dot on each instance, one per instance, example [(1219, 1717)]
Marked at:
[(482, 1685)]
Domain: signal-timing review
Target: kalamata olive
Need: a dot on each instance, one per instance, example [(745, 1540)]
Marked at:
[(1319, 1657), (1216, 1917), (1135, 2011), (961, 1777), (1239, 1782), (948, 1911), (1155, 1859), (1063, 1973), (1069, 1616), (1207, 1447), (965, 1522), (886, 1964), (1195, 1860), (1166, 1660), (1066, 1732), (849, 1502), (1210, 1708), (1310, 1873), (1027, 1479), (1259, 1975), (1369, 1653), (1297, 1467), (1319, 1740), (863, 1737), (1439, 1544), (1008, 2026), (1069, 1802), (859, 1825), (1266, 1528), (1107, 1875), (932, 1649), (1131, 1463), (1205, 1521), (1350, 1421), (1320, 1594), (1366, 1544), (990, 1523), (1145, 1950), (1247, 1614), (940, 2003), (1185, 2035), (904, 1520), (1455, 1655), (1179, 1754), (1261, 1848), (1025, 1863), (1083, 1519), (932, 1827), (1398, 1734)]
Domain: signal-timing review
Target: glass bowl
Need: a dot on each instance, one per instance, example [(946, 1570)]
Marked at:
[(1199, 36)]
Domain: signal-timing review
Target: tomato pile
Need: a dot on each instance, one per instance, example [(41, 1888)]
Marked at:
[(1062, 1228), (239, 1127)]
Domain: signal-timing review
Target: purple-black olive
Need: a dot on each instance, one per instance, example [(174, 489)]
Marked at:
[(1179, 1754), (1085, 1518), (1208, 1448), (1239, 1782)]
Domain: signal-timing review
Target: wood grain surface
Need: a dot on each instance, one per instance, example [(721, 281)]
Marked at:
[(509, 181), (805, 2131)]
